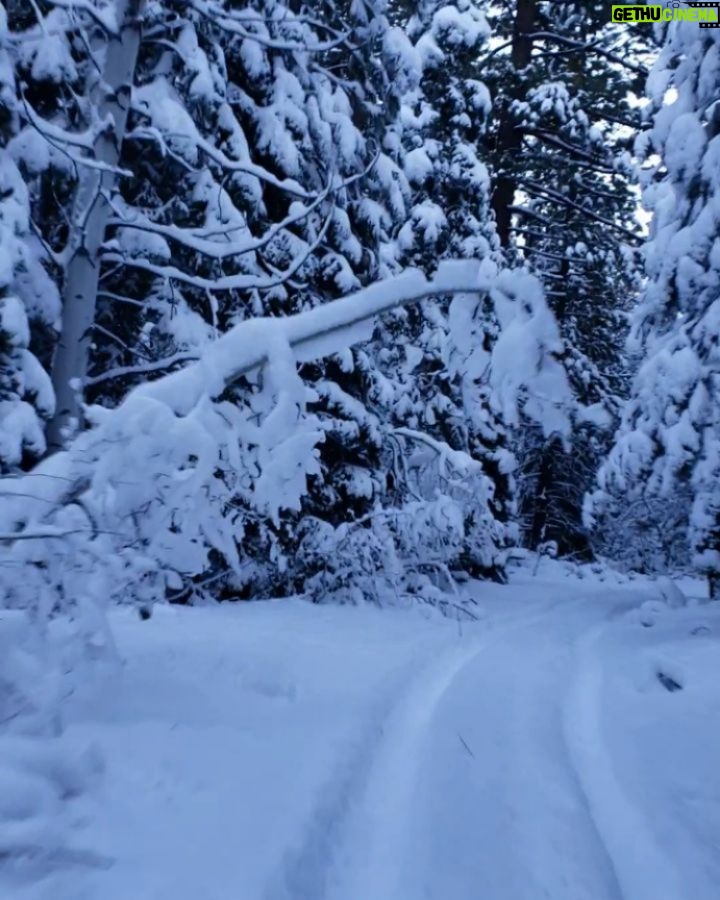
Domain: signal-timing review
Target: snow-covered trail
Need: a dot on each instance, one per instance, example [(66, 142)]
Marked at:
[(473, 792), (288, 752)]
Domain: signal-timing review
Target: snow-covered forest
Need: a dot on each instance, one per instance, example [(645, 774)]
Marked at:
[(405, 316)]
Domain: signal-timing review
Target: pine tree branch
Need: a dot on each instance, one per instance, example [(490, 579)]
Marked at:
[(544, 192), (149, 367), (238, 281), (591, 47), (232, 23), (574, 151)]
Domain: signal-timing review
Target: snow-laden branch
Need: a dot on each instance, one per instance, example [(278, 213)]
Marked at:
[(227, 163), (200, 240), (215, 242), (462, 462), (318, 332), (239, 281), (54, 134), (233, 23), (158, 365), (312, 334), (105, 16)]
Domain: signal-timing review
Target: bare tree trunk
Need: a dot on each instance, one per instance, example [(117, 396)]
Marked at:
[(90, 215), (509, 140)]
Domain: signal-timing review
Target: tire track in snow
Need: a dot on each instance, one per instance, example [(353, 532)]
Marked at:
[(352, 842), (303, 871), (642, 870), (376, 830), (351, 806), (513, 823)]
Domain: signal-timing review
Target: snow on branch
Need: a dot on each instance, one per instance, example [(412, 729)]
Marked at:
[(459, 460), (214, 242), (241, 351), (318, 332), (234, 22)]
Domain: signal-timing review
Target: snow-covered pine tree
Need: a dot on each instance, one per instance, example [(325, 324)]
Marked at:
[(669, 441), (26, 396), (564, 203), (305, 99), (436, 141), (229, 194), (437, 380)]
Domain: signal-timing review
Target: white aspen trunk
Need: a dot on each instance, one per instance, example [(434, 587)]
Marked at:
[(90, 215)]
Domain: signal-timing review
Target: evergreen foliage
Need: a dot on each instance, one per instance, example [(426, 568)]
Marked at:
[(668, 443), (564, 201)]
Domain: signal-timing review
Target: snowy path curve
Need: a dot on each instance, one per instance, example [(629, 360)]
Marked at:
[(353, 798), (496, 768)]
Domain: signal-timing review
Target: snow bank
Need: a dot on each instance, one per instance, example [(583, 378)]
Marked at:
[(41, 773)]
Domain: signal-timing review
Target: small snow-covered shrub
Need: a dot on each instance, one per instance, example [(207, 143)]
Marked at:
[(353, 562), (642, 533)]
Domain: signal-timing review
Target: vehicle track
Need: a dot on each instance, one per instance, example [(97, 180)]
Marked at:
[(639, 864), (358, 839)]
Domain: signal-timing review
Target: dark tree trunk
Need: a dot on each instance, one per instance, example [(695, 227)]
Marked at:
[(556, 511), (509, 139)]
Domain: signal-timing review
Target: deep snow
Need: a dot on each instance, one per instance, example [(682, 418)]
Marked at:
[(283, 750)]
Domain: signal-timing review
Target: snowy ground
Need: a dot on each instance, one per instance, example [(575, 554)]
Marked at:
[(282, 751)]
